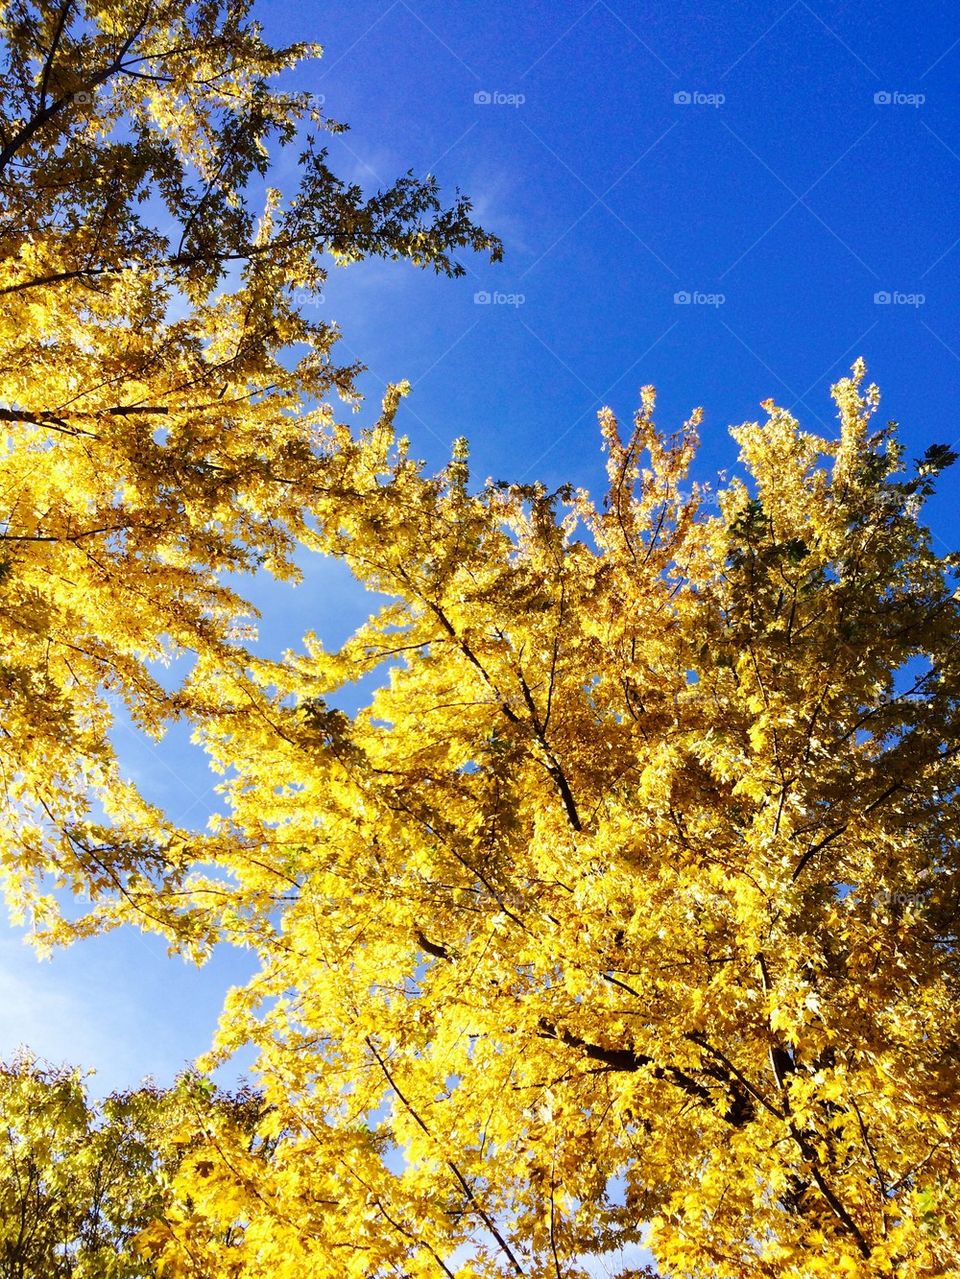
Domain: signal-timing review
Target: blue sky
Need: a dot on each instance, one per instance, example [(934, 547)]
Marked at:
[(784, 166)]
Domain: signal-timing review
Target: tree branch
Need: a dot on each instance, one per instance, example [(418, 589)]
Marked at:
[(625, 1059), (48, 63), (464, 1184), (46, 114)]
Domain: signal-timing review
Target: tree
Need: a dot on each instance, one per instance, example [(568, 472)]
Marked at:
[(82, 1181), (163, 397), (631, 898), (630, 901)]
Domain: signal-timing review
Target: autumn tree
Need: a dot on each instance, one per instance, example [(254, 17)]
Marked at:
[(164, 398), (81, 1181), (630, 901)]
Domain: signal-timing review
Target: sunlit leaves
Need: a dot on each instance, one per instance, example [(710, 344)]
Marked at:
[(163, 405), (629, 900), (87, 1187), (640, 865)]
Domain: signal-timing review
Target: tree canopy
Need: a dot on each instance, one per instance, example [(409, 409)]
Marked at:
[(626, 910), (81, 1181), (164, 391), (631, 899)]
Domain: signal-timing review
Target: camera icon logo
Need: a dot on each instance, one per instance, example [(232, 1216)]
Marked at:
[(683, 98), (682, 298), (883, 99), (482, 97), (481, 298), (882, 298)]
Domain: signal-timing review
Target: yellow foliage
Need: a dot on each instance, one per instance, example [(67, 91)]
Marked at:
[(639, 866), (630, 900), (160, 427)]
